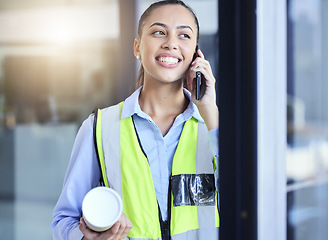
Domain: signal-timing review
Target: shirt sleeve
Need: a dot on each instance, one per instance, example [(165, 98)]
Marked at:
[(213, 136), (81, 176)]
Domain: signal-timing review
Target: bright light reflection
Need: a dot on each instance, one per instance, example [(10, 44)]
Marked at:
[(60, 24)]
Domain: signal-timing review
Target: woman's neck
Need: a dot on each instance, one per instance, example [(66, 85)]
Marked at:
[(163, 102), (162, 98)]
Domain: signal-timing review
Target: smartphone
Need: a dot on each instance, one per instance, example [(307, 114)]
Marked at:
[(198, 77), (198, 82)]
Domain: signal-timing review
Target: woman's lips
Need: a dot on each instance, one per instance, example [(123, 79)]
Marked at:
[(167, 60)]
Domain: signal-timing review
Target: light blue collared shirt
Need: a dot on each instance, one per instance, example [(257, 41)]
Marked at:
[(83, 171)]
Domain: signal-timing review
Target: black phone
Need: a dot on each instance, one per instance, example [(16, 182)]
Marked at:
[(198, 77)]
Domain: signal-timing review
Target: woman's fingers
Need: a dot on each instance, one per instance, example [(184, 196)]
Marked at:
[(88, 233), (114, 230), (128, 227), (204, 67), (201, 54), (201, 63), (117, 232), (120, 226)]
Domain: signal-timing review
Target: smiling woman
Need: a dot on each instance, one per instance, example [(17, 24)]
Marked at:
[(160, 139)]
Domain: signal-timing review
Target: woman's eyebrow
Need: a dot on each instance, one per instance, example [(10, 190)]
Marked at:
[(165, 26), (158, 24), (184, 26)]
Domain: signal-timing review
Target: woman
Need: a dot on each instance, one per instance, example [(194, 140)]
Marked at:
[(156, 118)]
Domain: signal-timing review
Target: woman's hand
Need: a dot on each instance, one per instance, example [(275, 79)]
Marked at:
[(207, 103), (117, 232)]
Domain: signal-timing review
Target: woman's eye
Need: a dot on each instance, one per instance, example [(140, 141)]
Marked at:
[(158, 33), (185, 36)]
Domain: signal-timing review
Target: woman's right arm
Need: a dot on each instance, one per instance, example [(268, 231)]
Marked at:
[(82, 175)]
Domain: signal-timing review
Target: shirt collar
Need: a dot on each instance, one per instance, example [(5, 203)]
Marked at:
[(131, 106)]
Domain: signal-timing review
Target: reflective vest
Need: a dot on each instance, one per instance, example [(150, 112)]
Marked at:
[(125, 169)]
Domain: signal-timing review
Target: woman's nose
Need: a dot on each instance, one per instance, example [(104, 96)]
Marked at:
[(170, 43)]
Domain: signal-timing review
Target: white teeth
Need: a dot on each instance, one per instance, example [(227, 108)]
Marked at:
[(168, 60)]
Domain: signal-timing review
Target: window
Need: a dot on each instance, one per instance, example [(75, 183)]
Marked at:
[(57, 63), (307, 120)]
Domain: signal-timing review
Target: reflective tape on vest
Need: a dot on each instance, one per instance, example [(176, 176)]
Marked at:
[(193, 190)]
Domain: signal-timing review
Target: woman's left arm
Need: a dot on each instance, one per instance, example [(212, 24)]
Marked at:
[(207, 103)]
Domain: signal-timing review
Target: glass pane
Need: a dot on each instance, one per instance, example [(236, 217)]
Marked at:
[(57, 63), (307, 120)]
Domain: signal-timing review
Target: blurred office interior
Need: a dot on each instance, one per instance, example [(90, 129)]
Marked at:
[(61, 59), (307, 119)]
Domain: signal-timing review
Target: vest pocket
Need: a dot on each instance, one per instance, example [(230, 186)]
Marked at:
[(193, 190)]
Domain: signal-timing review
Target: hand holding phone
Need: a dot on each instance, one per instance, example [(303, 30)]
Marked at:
[(198, 76), (203, 88)]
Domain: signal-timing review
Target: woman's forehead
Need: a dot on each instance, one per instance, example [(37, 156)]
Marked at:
[(171, 15)]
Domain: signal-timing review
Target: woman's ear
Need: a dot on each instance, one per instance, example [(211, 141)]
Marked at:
[(136, 48), (189, 80)]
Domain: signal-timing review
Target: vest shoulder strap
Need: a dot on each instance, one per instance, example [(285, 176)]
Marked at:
[(108, 134), (203, 150), (98, 146)]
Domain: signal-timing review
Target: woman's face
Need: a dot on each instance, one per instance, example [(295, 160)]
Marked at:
[(167, 43)]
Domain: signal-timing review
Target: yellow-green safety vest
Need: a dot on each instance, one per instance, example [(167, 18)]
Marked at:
[(125, 169)]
